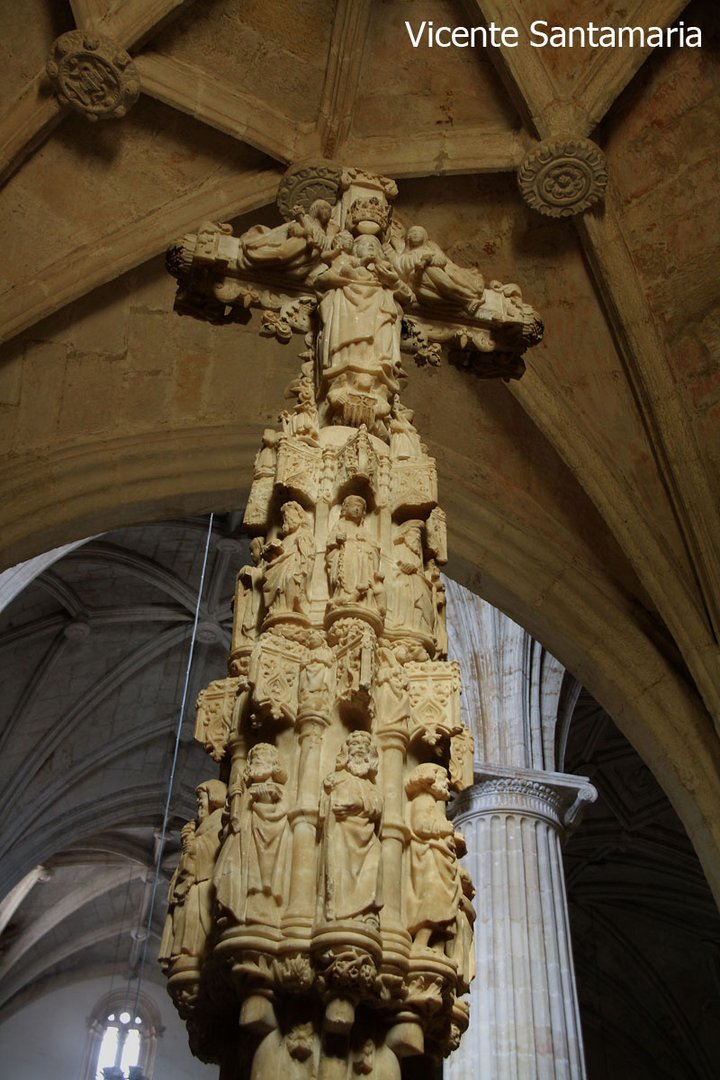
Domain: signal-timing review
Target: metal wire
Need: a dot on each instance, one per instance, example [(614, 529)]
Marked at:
[(173, 767)]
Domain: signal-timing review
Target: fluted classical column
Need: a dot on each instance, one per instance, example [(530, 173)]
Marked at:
[(524, 1021)]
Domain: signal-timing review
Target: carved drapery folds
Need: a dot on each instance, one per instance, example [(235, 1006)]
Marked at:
[(340, 920)]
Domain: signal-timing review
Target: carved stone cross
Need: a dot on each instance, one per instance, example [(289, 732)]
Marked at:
[(320, 924)]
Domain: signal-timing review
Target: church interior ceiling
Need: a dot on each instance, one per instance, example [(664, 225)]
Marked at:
[(582, 499)]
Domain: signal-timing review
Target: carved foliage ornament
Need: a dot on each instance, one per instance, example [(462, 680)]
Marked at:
[(562, 177), (93, 75)]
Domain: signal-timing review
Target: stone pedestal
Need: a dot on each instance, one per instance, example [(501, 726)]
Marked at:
[(524, 1022)]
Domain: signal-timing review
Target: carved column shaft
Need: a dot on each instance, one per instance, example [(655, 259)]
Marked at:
[(304, 822), (524, 1020), (318, 904), (393, 747)]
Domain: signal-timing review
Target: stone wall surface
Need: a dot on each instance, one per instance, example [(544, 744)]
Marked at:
[(49, 1036)]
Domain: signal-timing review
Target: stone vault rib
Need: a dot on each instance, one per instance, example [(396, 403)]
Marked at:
[(218, 104), (88, 266)]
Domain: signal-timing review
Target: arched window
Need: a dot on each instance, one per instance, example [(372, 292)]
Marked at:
[(122, 1038)]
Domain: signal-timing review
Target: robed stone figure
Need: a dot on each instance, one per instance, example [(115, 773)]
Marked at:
[(189, 918), (350, 815)]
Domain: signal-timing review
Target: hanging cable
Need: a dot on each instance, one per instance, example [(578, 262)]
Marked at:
[(171, 779)]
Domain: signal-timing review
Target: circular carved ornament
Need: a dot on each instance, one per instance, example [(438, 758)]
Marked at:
[(303, 184), (560, 178), (92, 75)]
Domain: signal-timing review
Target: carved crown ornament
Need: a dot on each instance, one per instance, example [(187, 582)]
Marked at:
[(92, 75), (563, 177), (336, 216), (319, 907)]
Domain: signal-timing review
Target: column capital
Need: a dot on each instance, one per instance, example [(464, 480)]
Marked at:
[(558, 798)]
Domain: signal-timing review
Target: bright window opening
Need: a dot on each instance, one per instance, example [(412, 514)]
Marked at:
[(120, 1040), (108, 1050)]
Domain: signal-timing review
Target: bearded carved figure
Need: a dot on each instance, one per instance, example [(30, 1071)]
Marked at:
[(350, 813)]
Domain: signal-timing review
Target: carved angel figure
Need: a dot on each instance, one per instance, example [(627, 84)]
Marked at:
[(189, 919), (288, 562), (434, 278), (292, 248), (353, 560), (433, 882), (250, 878), (350, 813)]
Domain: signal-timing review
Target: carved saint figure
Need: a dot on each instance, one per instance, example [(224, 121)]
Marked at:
[(316, 677), (392, 702), (433, 882), (404, 439), (248, 598), (250, 879), (439, 603), (353, 560), (288, 562), (410, 601), (189, 919), (434, 278), (226, 876), (350, 813), (359, 347), (261, 490), (267, 836), (267, 454)]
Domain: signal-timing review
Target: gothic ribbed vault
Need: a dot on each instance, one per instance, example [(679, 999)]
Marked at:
[(582, 499)]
